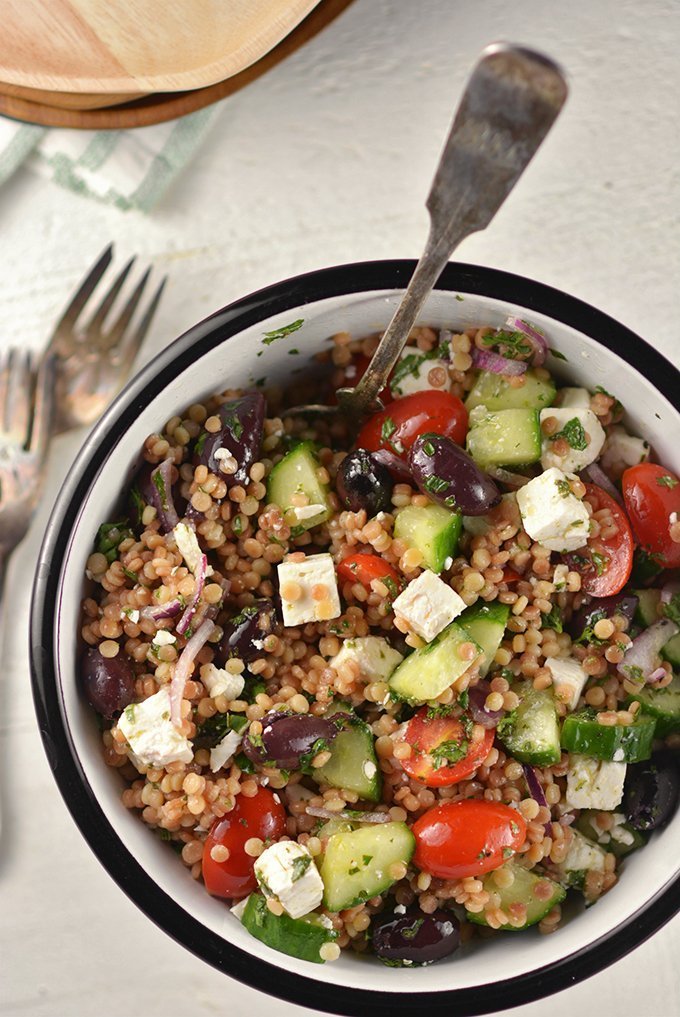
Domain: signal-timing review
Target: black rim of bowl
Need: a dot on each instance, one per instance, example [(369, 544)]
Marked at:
[(60, 750)]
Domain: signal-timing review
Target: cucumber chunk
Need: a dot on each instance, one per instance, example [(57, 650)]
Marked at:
[(356, 865), (496, 393), (434, 530), (661, 704), (671, 651), (631, 743), (485, 624), (619, 837), (505, 438), (353, 764), (297, 474), (429, 670), (521, 891), (531, 731), (298, 937), (646, 611)]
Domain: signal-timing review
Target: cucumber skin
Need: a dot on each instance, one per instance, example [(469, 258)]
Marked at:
[(363, 842), (645, 612), (277, 484), (541, 908), (410, 525), (532, 701), (482, 620), (534, 394), (416, 662), (582, 734), (652, 705), (293, 936)]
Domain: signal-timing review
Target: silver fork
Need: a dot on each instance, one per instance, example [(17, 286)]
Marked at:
[(94, 360)]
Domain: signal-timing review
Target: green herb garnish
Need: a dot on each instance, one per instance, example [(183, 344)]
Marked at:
[(279, 333), (110, 536), (574, 434), (388, 428), (600, 561), (435, 485), (200, 442), (448, 752), (300, 866), (511, 345), (667, 481), (553, 620)]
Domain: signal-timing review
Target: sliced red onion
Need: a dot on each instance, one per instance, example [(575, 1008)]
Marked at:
[(514, 480), (643, 654), (536, 338), (445, 337), (161, 493), (477, 698), (596, 475), (669, 590), (185, 620), (351, 816), (536, 791), (184, 667), (160, 611), (656, 676), (487, 360)]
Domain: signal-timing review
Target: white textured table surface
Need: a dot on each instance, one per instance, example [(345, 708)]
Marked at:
[(327, 159)]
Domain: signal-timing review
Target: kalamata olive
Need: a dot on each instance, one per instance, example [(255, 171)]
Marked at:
[(651, 791), (478, 711), (109, 682), (287, 737), (153, 486), (243, 636), (398, 467), (602, 607), (240, 437), (364, 483), (415, 938), (447, 474)]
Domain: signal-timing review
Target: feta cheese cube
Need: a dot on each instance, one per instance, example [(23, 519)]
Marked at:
[(224, 750), (220, 682), (574, 397), (415, 372), (622, 450), (373, 655), (317, 570), (189, 548), (575, 459), (163, 638), (305, 512), (428, 604), (551, 514), (568, 679), (286, 871), (148, 730), (583, 855), (594, 783), (238, 909)]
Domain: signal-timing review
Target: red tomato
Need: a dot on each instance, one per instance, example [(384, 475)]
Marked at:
[(605, 562), (652, 497), (364, 568), (262, 816), (458, 839), (441, 751), (399, 424), (510, 576)]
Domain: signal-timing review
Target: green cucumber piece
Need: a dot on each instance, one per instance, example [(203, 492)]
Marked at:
[(671, 651), (621, 839), (631, 743), (646, 611), (353, 764), (297, 474), (496, 393), (531, 731), (505, 438), (521, 891), (485, 624), (356, 865), (429, 670), (645, 566), (661, 704), (433, 529), (298, 937)]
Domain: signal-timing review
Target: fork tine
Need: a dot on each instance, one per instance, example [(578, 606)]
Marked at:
[(119, 326), (94, 326), (128, 347), (18, 397), (84, 291), (43, 406)]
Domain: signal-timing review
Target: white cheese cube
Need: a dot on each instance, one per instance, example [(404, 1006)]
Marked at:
[(428, 604), (148, 730), (239, 908), (594, 783), (582, 856), (551, 514), (617, 831), (189, 548), (163, 638), (224, 750), (373, 655), (317, 570), (587, 425), (622, 450), (568, 679), (415, 372), (305, 512), (220, 682), (574, 397), (286, 872)]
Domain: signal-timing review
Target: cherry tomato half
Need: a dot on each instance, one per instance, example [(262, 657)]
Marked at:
[(652, 498), (262, 816), (364, 568), (399, 424), (606, 561), (441, 750), (458, 839)]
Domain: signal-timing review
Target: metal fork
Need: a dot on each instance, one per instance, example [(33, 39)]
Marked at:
[(94, 360)]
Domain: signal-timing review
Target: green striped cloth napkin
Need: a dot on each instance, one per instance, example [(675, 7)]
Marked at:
[(129, 169)]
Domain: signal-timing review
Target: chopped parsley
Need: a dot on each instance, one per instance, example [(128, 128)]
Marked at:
[(564, 488), (388, 428), (200, 442), (511, 345), (428, 448), (574, 434), (435, 485), (137, 501), (672, 609), (440, 711), (553, 620), (667, 481), (244, 764), (110, 536), (464, 699), (634, 672), (293, 352), (234, 426), (300, 866), (353, 871), (131, 575), (280, 333), (237, 526), (617, 407), (600, 561), (367, 859), (214, 729), (448, 752), (159, 484), (320, 745), (412, 931), (392, 588), (557, 355)]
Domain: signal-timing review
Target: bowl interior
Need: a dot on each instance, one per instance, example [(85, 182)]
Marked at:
[(240, 362)]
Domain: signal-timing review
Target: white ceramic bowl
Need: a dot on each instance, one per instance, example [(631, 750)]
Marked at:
[(221, 352)]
